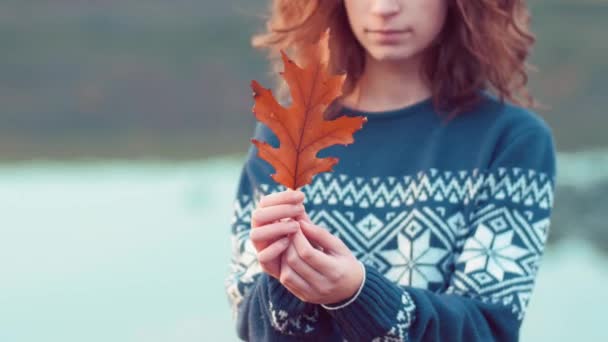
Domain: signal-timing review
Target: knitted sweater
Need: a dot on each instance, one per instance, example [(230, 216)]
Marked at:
[(449, 219)]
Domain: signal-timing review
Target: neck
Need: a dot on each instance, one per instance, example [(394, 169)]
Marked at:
[(386, 85)]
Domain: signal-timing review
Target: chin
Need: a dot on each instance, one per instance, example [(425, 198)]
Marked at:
[(391, 53)]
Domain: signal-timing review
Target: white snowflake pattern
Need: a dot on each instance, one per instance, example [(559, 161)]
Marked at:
[(415, 262), (493, 252)]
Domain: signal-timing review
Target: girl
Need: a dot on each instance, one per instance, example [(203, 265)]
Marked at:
[(432, 225)]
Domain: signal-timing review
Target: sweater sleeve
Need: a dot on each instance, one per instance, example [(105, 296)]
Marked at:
[(495, 264), (262, 308)]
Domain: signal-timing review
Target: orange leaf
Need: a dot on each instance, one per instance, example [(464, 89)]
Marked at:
[(301, 128)]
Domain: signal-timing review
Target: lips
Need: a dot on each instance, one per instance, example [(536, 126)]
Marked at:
[(388, 36), (388, 31)]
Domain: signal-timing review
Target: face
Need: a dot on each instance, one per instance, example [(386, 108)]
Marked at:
[(395, 29)]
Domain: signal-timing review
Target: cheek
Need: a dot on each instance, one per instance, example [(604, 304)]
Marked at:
[(432, 23), (355, 10)]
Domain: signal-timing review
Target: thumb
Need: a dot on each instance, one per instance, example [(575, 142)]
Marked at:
[(322, 237)]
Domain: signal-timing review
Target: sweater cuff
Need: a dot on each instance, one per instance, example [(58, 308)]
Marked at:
[(375, 310), (284, 300), (292, 318), (347, 301)]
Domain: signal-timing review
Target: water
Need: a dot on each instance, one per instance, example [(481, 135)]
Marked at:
[(114, 253), (139, 251)]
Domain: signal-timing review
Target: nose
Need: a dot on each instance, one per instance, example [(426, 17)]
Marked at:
[(385, 7)]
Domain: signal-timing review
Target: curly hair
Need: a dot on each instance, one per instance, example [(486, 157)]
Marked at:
[(483, 45)]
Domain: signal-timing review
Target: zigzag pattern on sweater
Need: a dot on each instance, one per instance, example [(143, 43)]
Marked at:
[(479, 234)]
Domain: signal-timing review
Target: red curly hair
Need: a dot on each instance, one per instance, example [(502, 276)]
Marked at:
[(483, 45)]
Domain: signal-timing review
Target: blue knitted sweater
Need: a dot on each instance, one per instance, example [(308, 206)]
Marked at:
[(449, 218)]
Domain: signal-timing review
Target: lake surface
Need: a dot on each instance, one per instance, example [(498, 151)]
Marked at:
[(139, 251)]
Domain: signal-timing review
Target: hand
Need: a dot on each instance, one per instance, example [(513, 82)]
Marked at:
[(324, 276), (272, 222)]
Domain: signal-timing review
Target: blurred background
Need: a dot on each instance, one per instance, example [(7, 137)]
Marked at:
[(123, 126)]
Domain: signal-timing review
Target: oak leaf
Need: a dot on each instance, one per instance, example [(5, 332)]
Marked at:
[(301, 127)]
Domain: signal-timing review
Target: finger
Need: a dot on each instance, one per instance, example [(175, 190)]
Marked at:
[(262, 216), (271, 252), (264, 235), (303, 269), (284, 197), (315, 258), (322, 237), (303, 216), (292, 280)]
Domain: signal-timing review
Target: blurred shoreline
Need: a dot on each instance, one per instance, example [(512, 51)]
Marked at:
[(171, 79)]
